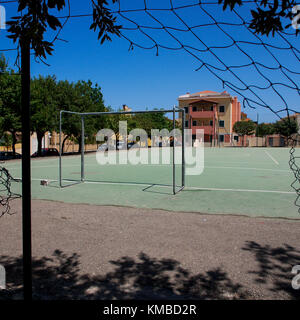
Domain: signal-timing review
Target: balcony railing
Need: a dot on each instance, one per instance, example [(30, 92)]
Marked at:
[(202, 114), (207, 129)]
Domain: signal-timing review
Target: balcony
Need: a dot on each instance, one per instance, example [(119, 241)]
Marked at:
[(202, 114), (207, 129)]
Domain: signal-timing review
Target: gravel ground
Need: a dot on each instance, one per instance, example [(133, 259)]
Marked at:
[(107, 252)]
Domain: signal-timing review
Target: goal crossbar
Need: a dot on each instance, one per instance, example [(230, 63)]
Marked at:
[(84, 114)]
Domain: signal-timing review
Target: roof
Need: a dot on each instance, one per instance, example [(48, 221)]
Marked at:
[(296, 115), (205, 93)]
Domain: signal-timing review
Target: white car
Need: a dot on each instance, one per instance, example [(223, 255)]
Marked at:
[(121, 145), (103, 147)]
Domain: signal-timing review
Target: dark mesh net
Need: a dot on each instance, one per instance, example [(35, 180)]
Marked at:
[(6, 193)]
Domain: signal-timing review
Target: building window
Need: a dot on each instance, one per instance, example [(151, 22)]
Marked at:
[(186, 109), (194, 123), (211, 123), (221, 137), (212, 108), (186, 124), (236, 138), (221, 123), (194, 108), (221, 108)]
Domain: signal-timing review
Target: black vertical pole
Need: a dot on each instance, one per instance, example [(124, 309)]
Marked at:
[(257, 130), (60, 149), (183, 149), (26, 172), (174, 169)]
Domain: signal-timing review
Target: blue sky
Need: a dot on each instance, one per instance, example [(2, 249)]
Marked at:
[(141, 79)]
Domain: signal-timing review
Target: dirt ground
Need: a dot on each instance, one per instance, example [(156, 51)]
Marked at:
[(107, 252)]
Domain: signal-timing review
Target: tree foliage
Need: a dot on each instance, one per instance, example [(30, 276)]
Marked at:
[(43, 107), (269, 16), (35, 20), (286, 127), (33, 23), (49, 96), (6, 140), (149, 121), (264, 129), (10, 101), (81, 96), (244, 128)]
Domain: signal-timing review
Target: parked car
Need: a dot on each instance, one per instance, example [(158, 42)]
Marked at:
[(103, 147), (121, 145), (8, 155), (47, 152), (130, 145)]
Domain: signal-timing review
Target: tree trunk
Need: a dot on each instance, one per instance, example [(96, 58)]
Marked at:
[(63, 144), (40, 136), (14, 141), (79, 144)]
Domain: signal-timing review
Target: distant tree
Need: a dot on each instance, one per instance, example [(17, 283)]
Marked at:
[(286, 127), (1, 127), (81, 96), (244, 128), (145, 121), (112, 121), (10, 101), (264, 129), (43, 107), (6, 140), (149, 121)]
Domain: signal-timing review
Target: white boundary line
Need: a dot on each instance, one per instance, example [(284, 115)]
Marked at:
[(248, 168), (155, 165), (271, 157), (186, 188), (242, 190)]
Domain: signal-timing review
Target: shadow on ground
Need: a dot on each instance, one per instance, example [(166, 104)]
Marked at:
[(274, 267), (146, 277), (143, 278)]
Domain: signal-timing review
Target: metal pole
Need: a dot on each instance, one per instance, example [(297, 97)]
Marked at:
[(122, 112), (182, 150), (215, 128), (26, 172), (257, 130), (60, 149), (82, 148), (174, 180), (218, 134), (174, 110)]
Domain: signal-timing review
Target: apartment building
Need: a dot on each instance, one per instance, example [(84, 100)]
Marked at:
[(215, 113)]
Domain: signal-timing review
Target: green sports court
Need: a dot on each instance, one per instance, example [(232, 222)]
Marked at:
[(239, 181)]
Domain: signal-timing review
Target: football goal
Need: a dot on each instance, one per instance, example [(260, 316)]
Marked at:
[(84, 115)]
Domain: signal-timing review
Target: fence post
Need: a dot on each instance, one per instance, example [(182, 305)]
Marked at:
[(26, 172)]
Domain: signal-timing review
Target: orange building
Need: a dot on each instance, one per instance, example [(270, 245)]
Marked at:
[(215, 113)]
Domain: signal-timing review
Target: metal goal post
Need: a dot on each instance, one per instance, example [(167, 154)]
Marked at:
[(85, 114)]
